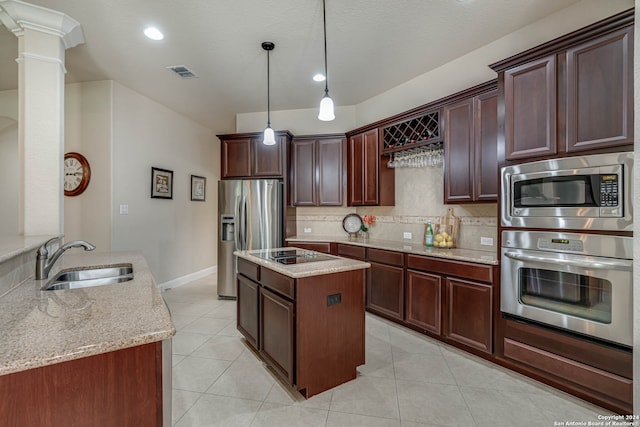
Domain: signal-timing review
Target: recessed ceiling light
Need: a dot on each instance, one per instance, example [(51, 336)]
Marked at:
[(153, 33), (319, 78)]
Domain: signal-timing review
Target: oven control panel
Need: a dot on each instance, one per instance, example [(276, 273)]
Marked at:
[(572, 245)]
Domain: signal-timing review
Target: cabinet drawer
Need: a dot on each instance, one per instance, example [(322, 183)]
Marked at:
[(386, 257), (324, 247), (277, 282), (351, 251), (465, 270), (584, 376), (249, 269)]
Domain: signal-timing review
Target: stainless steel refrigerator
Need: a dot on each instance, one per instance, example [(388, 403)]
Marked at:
[(250, 217)]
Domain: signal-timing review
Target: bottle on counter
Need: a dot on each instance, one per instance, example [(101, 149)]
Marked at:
[(428, 235)]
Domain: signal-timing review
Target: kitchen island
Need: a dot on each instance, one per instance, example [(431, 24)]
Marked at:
[(304, 313), (89, 356)]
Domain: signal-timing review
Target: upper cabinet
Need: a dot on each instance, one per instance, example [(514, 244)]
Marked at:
[(571, 95), (369, 181), (470, 145), (317, 170), (245, 156), (599, 87)]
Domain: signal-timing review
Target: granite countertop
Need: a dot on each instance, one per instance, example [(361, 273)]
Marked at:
[(41, 328), (13, 245), (327, 266), (469, 255)]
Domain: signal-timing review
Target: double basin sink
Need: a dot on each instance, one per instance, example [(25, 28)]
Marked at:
[(85, 277)]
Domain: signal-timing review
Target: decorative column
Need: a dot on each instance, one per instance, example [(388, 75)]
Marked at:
[(43, 36)]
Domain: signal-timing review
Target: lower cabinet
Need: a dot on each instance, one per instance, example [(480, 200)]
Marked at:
[(247, 307), (310, 330), (385, 290), (424, 301), (277, 332), (469, 314), (118, 388), (451, 300)]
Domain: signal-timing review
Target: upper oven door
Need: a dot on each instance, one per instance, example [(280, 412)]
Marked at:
[(587, 192)]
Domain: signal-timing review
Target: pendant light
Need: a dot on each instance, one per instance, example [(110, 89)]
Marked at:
[(326, 104), (269, 136)]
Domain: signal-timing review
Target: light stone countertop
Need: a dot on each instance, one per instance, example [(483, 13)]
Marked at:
[(469, 255), (14, 245), (40, 328), (306, 269)]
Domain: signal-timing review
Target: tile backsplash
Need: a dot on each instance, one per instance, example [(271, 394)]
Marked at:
[(419, 195)]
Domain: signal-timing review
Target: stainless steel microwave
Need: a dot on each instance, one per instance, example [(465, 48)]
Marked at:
[(576, 193)]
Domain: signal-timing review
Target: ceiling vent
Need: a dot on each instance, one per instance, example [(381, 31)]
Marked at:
[(182, 71)]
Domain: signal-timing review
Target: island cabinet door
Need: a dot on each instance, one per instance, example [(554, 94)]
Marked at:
[(385, 290), (247, 310), (277, 333)]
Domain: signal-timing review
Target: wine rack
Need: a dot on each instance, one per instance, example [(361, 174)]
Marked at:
[(415, 132)]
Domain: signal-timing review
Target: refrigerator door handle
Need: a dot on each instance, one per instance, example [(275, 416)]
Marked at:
[(239, 230)]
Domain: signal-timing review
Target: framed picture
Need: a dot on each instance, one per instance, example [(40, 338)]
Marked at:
[(161, 183), (198, 187)]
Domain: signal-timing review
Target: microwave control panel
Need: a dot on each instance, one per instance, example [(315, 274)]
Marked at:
[(609, 190)]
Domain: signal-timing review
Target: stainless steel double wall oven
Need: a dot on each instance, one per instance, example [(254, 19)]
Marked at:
[(564, 262)]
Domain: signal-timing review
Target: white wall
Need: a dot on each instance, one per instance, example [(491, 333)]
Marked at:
[(88, 131), (9, 162), (9, 176), (299, 122), (178, 236)]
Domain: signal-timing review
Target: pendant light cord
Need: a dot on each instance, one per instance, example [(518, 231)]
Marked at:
[(268, 90), (326, 77)]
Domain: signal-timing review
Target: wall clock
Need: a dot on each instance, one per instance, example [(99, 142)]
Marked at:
[(77, 174)]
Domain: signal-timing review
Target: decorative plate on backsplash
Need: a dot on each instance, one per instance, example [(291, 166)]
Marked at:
[(352, 223)]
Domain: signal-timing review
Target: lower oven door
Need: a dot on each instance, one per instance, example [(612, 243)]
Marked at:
[(589, 295)]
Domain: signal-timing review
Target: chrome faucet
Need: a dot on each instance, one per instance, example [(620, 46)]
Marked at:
[(44, 263)]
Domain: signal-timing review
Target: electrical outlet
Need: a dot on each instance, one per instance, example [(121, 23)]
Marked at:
[(407, 235), (124, 209), (307, 229), (486, 241)]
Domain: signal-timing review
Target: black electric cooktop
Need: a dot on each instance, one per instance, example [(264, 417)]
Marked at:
[(293, 256)]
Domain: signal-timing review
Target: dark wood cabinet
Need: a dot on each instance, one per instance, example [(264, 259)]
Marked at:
[(452, 300), (471, 149), (385, 283), (369, 181), (317, 171), (571, 95), (469, 313), (247, 309), (277, 332), (486, 147), (423, 301), (236, 158), (324, 247), (599, 87), (269, 160), (310, 330), (245, 156), (385, 290), (118, 388), (530, 109)]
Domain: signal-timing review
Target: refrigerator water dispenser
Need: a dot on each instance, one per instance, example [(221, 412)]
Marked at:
[(228, 228)]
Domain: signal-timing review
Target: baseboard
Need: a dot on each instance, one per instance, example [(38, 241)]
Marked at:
[(188, 278)]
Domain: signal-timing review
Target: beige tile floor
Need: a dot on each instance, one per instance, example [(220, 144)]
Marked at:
[(408, 380)]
